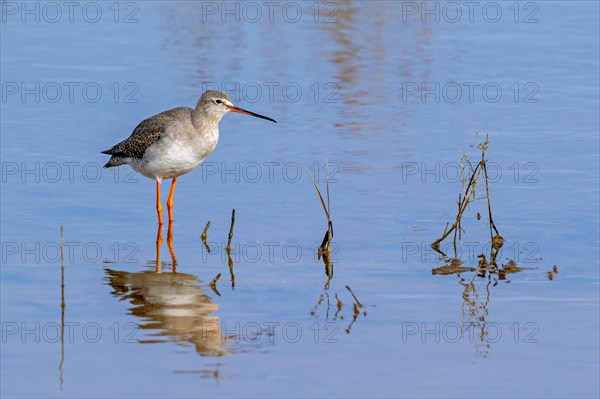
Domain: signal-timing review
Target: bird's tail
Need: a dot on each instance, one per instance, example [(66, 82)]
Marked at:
[(114, 160)]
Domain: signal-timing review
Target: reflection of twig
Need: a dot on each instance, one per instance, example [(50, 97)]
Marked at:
[(436, 248), (228, 249), (62, 306), (204, 236), (474, 313), (356, 307), (354, 296), (213, 284), (339, 306), (328, 267), (232, 274), (230, 231), (552, 273), (324, 294), (324, 248), (354, 317), (313, 312), (216, 373), (328, 305)]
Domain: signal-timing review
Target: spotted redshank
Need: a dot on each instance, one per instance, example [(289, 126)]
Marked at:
[(174, 142)]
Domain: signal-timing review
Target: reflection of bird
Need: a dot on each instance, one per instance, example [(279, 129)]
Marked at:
[(172, 303), (172, 143)]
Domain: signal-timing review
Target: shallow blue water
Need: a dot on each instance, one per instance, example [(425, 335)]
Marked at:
[(347, 88)]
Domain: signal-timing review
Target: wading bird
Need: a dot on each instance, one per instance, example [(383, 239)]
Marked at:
[(174, 142)]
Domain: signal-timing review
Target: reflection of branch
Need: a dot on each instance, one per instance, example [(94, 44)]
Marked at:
[(328, 267), (324, 294), (436, 248), (354, 317), (204, 236), (339, 306), (328, 305), (228, 249), (354, 296), (213, 284), (231, 231), (551, 273), (62, 306), (475, 312), (232, 274), (313, 312), (356, 306)]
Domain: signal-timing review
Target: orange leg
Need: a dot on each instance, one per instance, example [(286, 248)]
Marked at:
[(170, 200), (159, 207)]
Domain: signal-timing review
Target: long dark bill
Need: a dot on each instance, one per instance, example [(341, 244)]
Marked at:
[(243, 111)]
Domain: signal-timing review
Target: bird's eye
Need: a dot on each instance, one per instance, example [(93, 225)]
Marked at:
[(218, 101)]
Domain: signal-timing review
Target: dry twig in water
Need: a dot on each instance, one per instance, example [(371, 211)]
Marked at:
[(466, 198)]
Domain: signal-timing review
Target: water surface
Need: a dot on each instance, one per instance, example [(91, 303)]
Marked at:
[(348, 89)]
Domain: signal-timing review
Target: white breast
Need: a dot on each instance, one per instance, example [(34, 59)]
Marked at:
[(181, 149)]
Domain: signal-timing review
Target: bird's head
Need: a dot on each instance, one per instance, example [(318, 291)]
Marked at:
[(217, 104)]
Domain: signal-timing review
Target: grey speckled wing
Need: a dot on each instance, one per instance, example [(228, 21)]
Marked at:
[(144, 135)]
